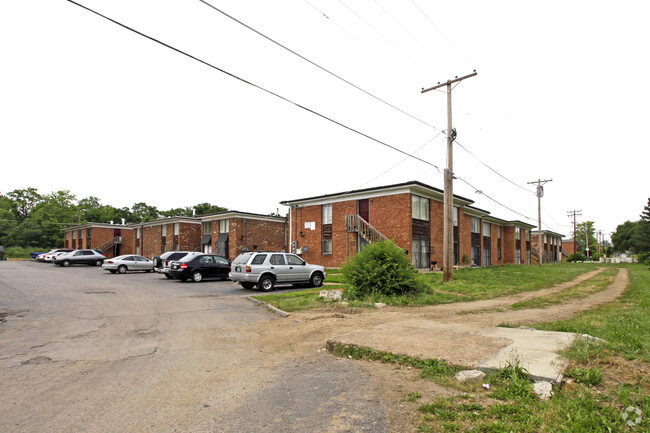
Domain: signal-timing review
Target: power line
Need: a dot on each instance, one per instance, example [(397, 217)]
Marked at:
[(479, 191), (493, 170), (314, 63), (322, 116)]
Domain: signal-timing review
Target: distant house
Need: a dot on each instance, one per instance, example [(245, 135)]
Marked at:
[(328, 229), (113, 239)]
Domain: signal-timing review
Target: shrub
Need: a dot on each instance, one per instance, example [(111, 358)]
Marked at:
[(381, 268), (577, 258)]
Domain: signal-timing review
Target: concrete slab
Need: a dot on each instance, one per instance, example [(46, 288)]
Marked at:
[(469, 345)]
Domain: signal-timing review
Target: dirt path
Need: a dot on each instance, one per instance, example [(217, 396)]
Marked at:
[(408, 330)]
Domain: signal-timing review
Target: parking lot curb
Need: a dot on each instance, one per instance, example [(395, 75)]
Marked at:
[(270, 307)]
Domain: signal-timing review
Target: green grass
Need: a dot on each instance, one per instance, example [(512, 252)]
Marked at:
[(468, 285)]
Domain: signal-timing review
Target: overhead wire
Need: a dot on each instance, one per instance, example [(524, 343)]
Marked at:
[(268, 38), (232, 75)]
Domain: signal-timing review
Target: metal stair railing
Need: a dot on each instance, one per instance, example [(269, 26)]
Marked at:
[(117, 240)]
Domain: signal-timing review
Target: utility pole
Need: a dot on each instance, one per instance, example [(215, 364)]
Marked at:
[(448, 207), (540, 194), (574, 213), (587, 239)]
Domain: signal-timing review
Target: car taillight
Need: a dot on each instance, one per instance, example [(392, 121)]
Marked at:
[(166, 262), (183, 266), (248, 269)]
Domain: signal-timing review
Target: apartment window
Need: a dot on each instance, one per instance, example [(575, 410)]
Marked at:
[(528, 235), (327, 214), (456, 213), (164, 230), (207, 227), (88, 232), (420, 207), (137, 233), (518, 256), (476, 225), (498, 242), (476, 256), (486, 229), (487, 256), (456, 253), (517, 233), (421, 253), (327, 247), (74, 235), (224, 226), (177, 228)]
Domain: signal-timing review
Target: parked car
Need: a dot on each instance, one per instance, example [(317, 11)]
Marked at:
[(265, 269), (41, 257), (128, 262), (80, 257), (198, 267), (161, 263), (50, 257)]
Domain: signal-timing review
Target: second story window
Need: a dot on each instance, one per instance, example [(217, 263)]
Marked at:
[(420, 207), (517, 233), (327, 214), (486, 229), (456, 213), (224, 226), (476, 225)]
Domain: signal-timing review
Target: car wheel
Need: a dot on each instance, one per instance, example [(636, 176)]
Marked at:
[(266, 283), (316, 280), (112, 271), (169, 276), (98, 262), (197, 276), (247, 285), (65, 263), (121, 269)]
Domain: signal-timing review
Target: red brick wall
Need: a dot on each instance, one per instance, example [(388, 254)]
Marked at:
[(465, 226), (189, 236), (252, 234), (151, 240), (436, 217)]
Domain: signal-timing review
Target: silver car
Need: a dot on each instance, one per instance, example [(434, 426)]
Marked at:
[(129, 262), (265, 269), (80, 257)]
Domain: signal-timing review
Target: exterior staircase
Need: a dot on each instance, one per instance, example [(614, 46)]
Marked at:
[(117, 240), (534, 257), (369, 234)]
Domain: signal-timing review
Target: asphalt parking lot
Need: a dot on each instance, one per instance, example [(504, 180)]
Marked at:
[(86, 350)]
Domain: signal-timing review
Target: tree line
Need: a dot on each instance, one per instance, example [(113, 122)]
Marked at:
[(33, 220), (634, 236)]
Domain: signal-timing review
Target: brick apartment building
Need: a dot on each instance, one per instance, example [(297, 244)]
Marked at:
[(328, 229), (113, 239), (551, 246), (226, 234), (230, 233)]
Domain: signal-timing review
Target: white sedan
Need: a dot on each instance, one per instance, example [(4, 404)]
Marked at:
[(129, 262)]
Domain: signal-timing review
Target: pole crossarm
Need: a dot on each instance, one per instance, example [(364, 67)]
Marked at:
[(449, 82)]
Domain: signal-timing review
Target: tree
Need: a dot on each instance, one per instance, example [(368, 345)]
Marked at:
[(26, 200), (142, 212), (54, 212), (7, 218), (624, 237), (586, 231), (643, 232), (207, 209), (179, 211)]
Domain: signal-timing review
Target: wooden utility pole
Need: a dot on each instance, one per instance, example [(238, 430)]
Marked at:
[(574, 213), (540, 194), (448, 212)]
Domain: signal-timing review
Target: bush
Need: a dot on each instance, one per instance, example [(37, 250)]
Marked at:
[(577, 258), (381, 268)]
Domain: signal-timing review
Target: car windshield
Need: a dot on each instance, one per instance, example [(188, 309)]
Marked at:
[(242, 258)]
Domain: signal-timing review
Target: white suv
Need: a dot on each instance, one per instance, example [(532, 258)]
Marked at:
[(264, 269)]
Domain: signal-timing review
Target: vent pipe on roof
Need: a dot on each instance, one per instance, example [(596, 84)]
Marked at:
[(111, 222), (123, 220)]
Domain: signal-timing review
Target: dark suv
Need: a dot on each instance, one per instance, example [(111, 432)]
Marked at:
[(199, 266)]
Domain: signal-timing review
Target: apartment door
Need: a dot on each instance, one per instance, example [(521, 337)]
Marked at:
[(363, 209)]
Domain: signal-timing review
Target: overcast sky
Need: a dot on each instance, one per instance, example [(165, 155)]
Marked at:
[(561, 93)]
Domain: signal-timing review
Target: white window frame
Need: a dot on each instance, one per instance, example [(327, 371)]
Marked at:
[(327, 213), (456, 215), (487, 229), (177, 228), (476, 225), (517, 233), (224, 226), (419, 207), (164, 229)]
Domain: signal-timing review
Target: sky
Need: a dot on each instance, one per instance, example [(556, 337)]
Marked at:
[(561, 94)]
